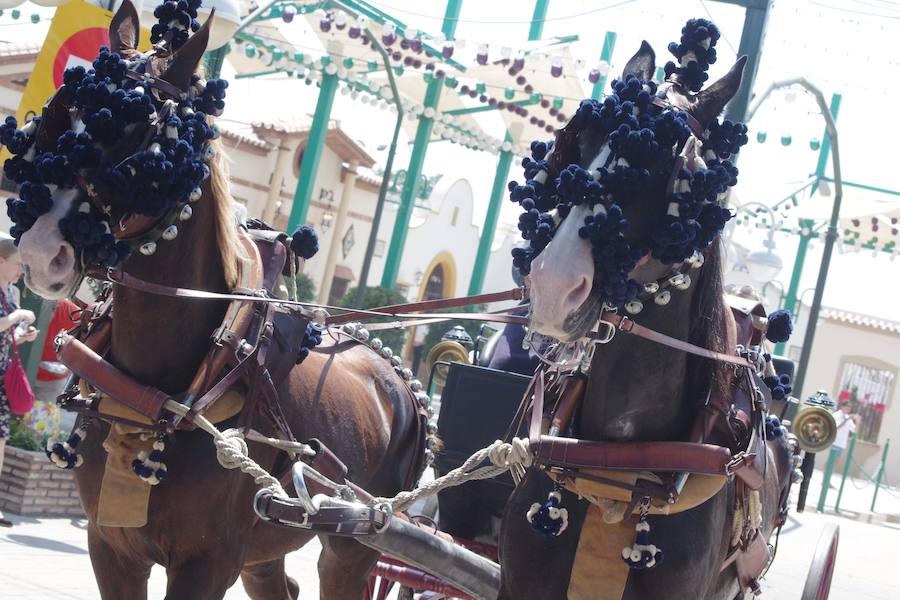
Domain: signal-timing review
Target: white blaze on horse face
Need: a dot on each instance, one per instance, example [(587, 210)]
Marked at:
[(561, 276), (48, 260)]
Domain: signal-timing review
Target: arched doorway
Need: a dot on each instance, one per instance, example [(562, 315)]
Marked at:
[(438, 281)]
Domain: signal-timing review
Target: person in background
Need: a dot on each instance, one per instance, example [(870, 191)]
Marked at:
[(418, 346), (846, 423), (52, 375), (13, 321), (509, 355)]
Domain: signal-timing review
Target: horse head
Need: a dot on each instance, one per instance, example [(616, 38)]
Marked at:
[(631, 188), (118, 154)]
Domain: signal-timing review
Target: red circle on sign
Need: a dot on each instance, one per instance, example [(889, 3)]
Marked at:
[(82, 45)]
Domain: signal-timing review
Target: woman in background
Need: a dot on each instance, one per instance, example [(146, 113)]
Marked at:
[(12, 318)]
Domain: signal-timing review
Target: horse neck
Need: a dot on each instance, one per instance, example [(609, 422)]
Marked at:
[(160, 340), (641, 390)]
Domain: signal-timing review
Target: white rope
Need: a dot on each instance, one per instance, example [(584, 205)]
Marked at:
[(513, 457)]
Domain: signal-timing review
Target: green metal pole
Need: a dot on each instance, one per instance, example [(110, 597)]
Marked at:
[(490, 222), (214, 62), (609, 44), (826, 480), (416, 162), (884, 453), (790, 299), (537, 19), (834, 107), (483, 255), (312, 153), (847, 462), (756, 17)]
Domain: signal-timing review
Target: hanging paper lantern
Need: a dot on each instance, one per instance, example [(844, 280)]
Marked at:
[(509, 93), (340, 20), (594, 75), (761, 137), (815, 144), (557, 103), (482, 56), (447, 50), (250, 50), (35, 18), (786, 139), (388, 35), (16, 13), (556, 66), (288, 14), (398, 70)]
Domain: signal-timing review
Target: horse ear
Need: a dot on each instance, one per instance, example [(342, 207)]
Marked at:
[(125, 28), (187, 59), (709, 103), (643, 64)]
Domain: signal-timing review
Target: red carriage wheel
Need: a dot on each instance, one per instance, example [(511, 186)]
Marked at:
[(818, 580)]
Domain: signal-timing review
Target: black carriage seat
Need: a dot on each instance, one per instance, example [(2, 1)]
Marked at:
[(477, 405)]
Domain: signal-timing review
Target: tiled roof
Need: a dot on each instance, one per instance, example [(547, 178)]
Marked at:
[(289, 125), (244, 137), (19, 49), (852, 318)]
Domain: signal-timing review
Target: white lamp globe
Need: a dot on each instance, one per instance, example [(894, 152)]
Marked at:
[(764, 265), (4, 4)]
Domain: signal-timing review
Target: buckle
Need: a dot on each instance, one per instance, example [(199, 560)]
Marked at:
[(736, 462), (608, 335)]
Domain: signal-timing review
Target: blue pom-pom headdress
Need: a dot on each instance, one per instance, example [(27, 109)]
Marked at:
[(121, 97), (642, 131)]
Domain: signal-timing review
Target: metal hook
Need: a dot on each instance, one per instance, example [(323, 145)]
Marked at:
[(303, 494)]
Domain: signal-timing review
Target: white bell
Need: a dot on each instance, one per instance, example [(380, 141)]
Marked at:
[(634, 306), (148, 249), (170, 233), (663, 297), (186, 213)]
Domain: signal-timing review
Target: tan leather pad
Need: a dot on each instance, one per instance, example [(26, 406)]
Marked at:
[(599, 573), (124, 497)]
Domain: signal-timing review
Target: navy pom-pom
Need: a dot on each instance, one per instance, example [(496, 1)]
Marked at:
[(305, 242), (780, 327), (774, 429), (548, 519), (312, 339)]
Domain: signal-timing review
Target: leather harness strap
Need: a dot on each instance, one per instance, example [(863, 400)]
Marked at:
[(625, 324)]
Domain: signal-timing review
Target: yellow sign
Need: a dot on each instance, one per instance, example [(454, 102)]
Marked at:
[(76, 33)]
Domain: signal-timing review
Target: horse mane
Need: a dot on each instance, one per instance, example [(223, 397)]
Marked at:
[(708, 328), (227, 241)]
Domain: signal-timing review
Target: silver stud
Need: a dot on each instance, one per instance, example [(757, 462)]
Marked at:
[(395, 361), (214, 132), (387, 352), (423, 399), (696, 261), (431, 428), (376, 344), (186, 213), (663, 297), (415, 385), (651, 288), (429, 457), (683, 283), (148, 249), (209, 154), (349, 328), (196, 193), (170, 233), (320, 315), (634, 306), (406, 374), (362, 334)]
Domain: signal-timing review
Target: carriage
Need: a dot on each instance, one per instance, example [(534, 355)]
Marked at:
[(620, 211)]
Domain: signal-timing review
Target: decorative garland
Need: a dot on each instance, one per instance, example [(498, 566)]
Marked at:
[(695, 53), (639, 134), (167, 173)]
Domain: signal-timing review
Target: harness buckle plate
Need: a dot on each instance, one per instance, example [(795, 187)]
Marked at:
[(608, 335)]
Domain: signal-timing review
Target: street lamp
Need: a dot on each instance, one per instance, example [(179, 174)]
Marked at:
[(831, 234), (763, 264)]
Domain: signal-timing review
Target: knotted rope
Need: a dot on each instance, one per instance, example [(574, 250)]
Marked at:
[(513, 456)]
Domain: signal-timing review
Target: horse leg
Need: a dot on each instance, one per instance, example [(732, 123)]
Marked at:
[(268, 581), (344, 566), (118, 575), (206, 578)]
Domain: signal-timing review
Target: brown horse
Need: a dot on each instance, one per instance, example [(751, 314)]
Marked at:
[(638, 391), (201, 526)]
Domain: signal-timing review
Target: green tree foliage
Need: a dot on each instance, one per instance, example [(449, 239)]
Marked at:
[(375, 297), (306, 288)]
